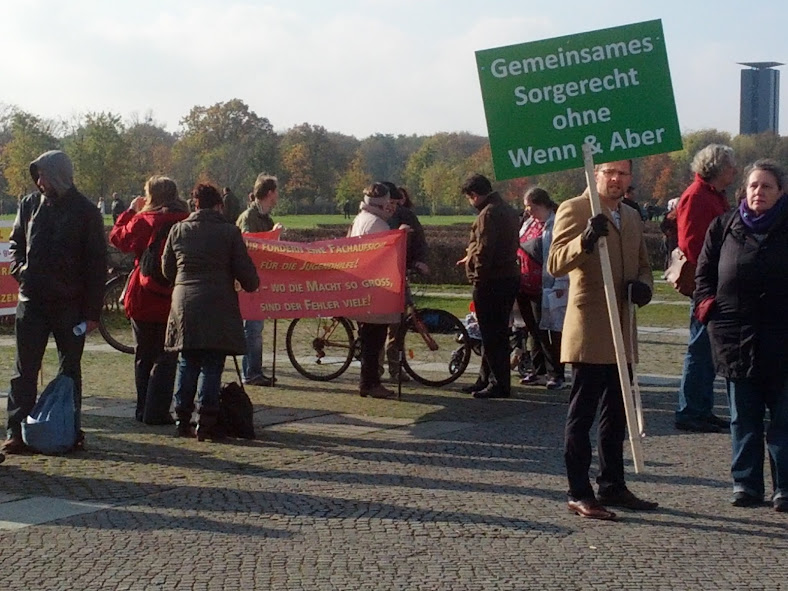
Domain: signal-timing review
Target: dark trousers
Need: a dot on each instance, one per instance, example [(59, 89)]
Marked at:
[(493, 301), (373, 337), (546, 353), (34, 323), (557, 369), (154, 372), (595, 386)]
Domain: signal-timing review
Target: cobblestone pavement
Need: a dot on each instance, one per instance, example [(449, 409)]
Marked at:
[(437, 491)]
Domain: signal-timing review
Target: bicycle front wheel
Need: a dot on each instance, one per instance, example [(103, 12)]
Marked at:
[(320, 349), (436, 347), (114, 326)]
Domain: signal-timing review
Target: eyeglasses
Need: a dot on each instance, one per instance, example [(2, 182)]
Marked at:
[(611, 172)]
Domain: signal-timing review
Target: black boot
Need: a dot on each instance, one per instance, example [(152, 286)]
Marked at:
[(183, 424), (208, 425)]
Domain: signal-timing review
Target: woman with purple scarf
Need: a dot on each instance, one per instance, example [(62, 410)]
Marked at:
[(742, 296)]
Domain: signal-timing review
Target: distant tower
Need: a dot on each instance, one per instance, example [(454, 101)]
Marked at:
[(760, 98)]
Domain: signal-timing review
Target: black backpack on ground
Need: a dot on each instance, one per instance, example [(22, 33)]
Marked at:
[(236, 413)]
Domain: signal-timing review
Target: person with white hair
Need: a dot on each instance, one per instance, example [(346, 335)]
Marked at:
[(715, 170)]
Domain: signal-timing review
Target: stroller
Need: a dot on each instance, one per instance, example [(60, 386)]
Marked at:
[(519, 356)]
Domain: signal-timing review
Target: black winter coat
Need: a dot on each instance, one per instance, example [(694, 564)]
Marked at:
[(748, 278), (417, 241), (59, 252)]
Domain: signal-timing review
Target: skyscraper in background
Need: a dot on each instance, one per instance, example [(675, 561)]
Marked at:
[(759, 110)]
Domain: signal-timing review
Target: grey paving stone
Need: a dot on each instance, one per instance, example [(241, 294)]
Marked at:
[(36, 510)]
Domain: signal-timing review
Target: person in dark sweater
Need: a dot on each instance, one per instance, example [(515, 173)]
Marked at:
[(741, 290), (59, 257)]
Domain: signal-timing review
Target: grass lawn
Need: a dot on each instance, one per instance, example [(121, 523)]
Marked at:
[(312, 221), (668, 315)]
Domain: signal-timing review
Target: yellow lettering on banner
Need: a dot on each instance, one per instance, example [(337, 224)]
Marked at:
[(357, 302), (379, 282), (311, 305), (307, 266), (356, 247), (315, 286)]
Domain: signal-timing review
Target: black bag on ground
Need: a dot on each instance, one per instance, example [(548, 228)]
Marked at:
[(236, 413)]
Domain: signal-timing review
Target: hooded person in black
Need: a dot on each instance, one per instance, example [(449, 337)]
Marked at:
[(59, 258)]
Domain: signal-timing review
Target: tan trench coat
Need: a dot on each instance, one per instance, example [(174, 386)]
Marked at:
[(587, 337)]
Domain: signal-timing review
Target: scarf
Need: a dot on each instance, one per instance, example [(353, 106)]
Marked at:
[(760, 224), (374, 210)]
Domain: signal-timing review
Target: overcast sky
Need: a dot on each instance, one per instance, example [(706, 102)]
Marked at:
[(354, 66)]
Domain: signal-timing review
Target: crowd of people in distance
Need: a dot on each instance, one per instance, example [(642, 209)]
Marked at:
[(190, 258)]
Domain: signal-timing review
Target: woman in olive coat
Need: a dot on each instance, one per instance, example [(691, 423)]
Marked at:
[(204, 256)]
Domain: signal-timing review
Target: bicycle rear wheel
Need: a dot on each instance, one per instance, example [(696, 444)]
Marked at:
[(114, 326), (320, 349), (436, 347)]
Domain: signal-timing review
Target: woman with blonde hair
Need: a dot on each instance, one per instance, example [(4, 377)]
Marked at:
[(144, 227)]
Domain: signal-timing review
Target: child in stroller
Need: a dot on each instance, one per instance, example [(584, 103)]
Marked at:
[(519, 356)]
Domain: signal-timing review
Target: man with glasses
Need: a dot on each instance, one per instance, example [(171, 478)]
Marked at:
[(587, 341)]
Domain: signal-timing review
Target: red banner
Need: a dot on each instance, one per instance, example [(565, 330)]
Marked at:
[(9, 289), (343, 277)]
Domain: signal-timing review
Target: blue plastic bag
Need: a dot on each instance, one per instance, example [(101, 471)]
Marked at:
[(50, 428)]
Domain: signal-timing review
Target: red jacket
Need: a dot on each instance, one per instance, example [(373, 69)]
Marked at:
[(133, 232), (698, 206)]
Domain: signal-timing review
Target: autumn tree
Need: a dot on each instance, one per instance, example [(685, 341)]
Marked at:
[(29, 138), (98, 149), (386, 156), (149, 152), (300, 186), (312, 161), (352, 183), (450, 153), (226, 143)]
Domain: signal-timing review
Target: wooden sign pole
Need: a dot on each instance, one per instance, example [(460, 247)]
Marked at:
[(615, 320)]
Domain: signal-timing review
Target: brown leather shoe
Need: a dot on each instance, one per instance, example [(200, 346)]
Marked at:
[(14, 445), (590, 508), (378, 391)]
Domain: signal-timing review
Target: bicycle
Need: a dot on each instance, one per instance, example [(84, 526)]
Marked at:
[(434, 344), (114, 326)]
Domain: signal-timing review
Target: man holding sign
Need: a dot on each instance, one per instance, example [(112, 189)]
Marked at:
[(587, 338)]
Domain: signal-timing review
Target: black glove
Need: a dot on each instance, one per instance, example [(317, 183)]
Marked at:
[(641, 293), (595, 229)]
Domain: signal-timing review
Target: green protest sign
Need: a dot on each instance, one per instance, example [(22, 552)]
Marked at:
[(610, 88)]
